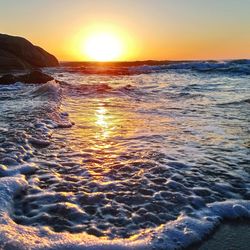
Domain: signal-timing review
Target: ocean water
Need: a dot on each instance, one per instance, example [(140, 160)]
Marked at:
[(124, 156)]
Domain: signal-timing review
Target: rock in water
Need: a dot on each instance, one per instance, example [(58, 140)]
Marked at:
[(7, 79), (35, 76), (19, 53)]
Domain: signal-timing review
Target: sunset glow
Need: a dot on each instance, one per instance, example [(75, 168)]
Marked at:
[(134, 30), (103, 47)]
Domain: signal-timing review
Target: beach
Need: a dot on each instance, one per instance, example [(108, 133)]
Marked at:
[(230, 235)]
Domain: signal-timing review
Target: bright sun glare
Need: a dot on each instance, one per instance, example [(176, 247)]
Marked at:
[(103, 47)]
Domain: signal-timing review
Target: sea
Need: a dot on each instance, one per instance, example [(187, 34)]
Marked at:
[(119, 156)]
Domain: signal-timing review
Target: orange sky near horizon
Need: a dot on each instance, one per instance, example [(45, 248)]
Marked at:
[(148, 30)]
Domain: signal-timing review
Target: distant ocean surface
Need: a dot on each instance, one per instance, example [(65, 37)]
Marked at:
[(124, 156)]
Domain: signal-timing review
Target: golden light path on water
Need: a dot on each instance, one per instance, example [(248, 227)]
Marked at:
[(108, 133), (103, 121), (102, 133)]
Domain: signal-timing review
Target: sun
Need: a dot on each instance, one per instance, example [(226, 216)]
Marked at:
[(103, 46)]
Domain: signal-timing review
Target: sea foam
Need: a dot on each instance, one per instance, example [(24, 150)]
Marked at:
[(177, 234)]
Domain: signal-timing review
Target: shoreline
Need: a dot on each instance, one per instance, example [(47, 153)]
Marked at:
[(229, 235)]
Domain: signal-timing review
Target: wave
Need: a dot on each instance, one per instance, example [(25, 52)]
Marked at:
[(49, 90), (98, 89), (236, 67), (238, 102), (233, 67), (28, 115)]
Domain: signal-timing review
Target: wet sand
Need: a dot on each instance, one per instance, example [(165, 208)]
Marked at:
[(229, 236)]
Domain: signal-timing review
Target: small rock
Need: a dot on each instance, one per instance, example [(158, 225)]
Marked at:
[(7, 79), (35, 76)]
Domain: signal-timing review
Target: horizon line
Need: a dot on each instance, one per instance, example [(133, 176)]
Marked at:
[(155, 60)]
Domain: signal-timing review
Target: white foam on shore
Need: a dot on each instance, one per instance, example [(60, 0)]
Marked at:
[(172, 235)]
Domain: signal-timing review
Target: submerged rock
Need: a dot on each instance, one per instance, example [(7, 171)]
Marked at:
[(19, 53), (35, 76)]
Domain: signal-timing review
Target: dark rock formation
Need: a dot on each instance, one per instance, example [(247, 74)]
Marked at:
[(19, 53), (33, 77)]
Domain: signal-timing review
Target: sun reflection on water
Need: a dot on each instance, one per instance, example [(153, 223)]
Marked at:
[(95, 133), (103, 121), (105, 132)]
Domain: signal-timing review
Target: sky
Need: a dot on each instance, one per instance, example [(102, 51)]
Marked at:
[(150, 29)]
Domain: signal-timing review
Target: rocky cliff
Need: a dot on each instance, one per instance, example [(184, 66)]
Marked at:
[(19, 53)]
